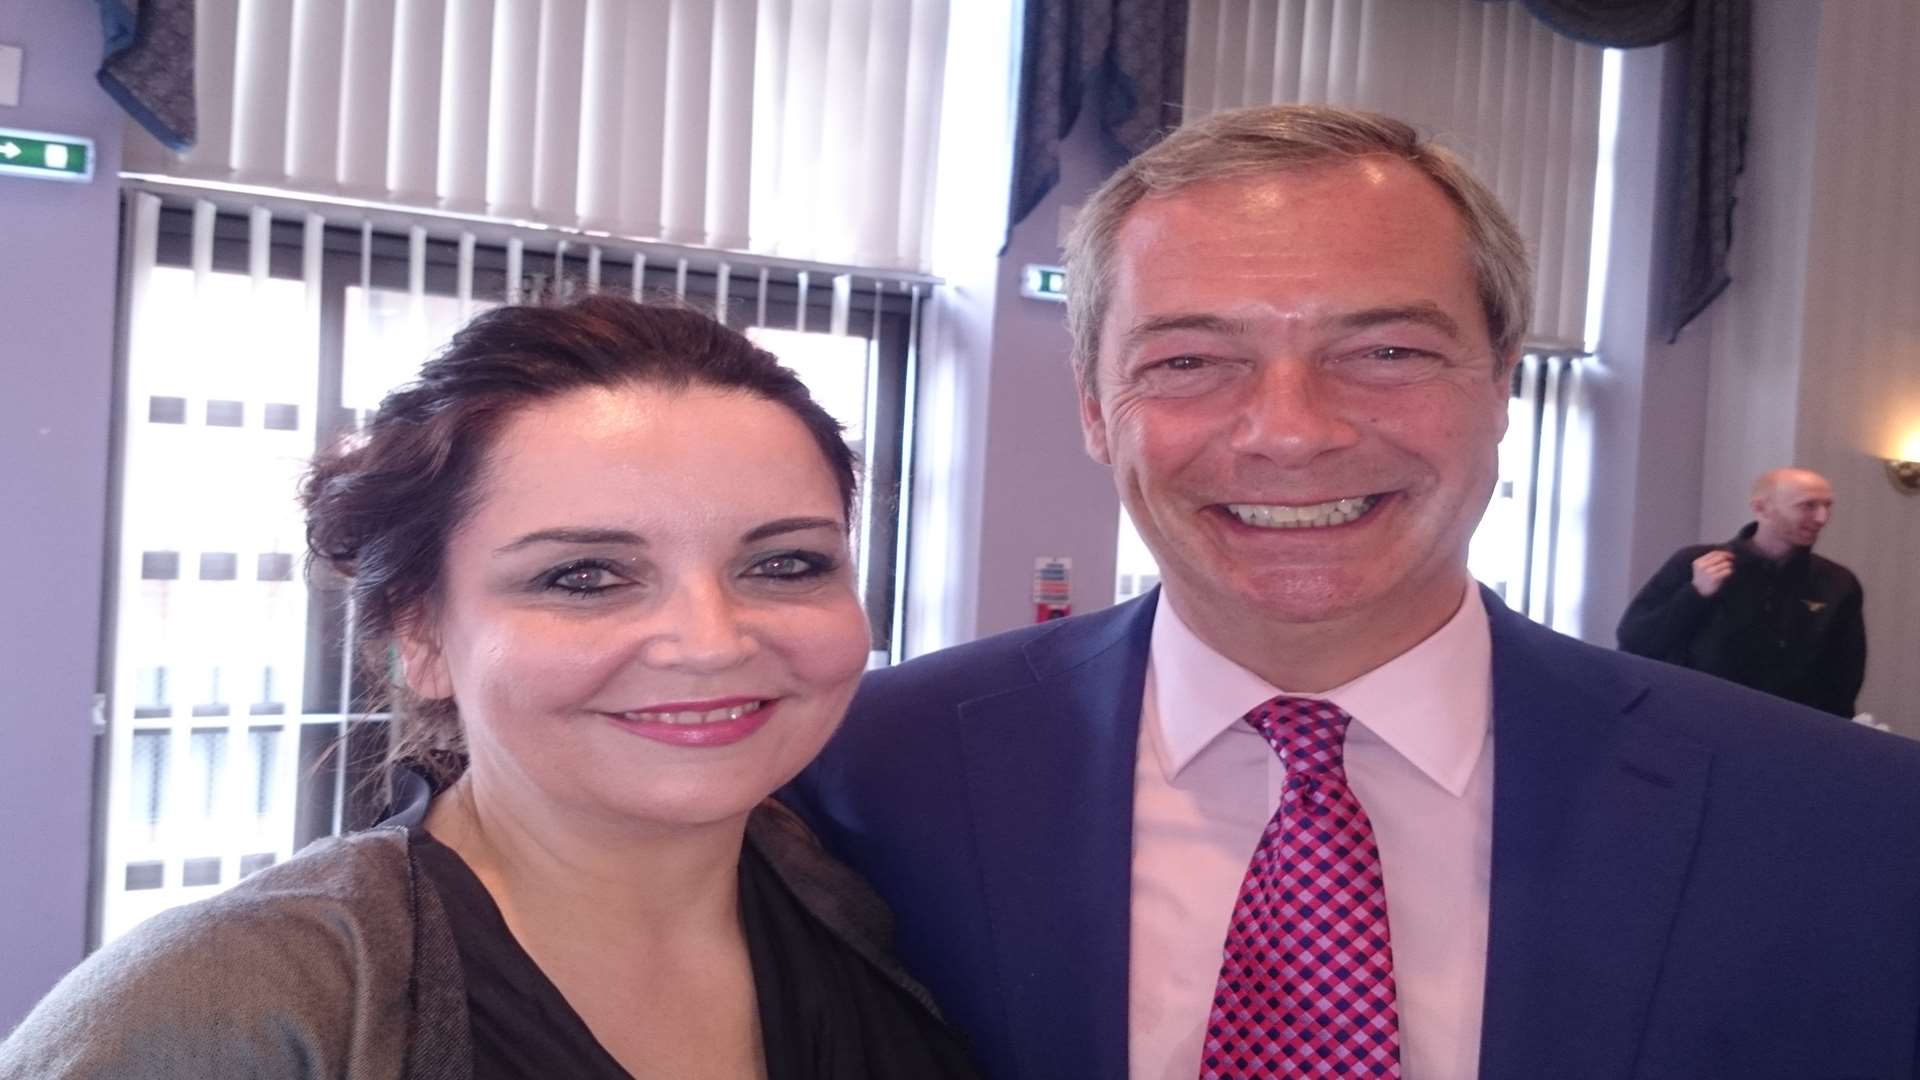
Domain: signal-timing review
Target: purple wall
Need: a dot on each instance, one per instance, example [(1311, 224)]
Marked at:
[(58, 251), (1044, 495)]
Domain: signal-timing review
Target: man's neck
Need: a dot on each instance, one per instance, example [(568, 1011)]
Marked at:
[(1314, 657), (1772, 547)]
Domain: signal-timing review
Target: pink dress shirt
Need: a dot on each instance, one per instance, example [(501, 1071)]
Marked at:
[(1419, 756)]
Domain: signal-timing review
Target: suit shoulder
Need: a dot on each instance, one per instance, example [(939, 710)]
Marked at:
[(264, 979), (976, 668), (1744, 725)]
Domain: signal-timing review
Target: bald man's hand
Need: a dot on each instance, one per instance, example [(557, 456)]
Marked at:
[(1710, 571)]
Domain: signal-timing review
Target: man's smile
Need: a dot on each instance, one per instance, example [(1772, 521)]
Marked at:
[(1320, 515)]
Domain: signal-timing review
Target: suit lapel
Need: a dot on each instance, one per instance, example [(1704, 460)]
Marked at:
[(1595, 816), (1049, 772)]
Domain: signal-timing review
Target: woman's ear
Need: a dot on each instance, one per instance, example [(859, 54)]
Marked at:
[(422, 663)]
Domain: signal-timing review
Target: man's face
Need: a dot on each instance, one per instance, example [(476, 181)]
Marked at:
[(1794, 512), (1299, 398)]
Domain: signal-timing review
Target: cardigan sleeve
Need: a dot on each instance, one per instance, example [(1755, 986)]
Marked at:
[(299, 972)]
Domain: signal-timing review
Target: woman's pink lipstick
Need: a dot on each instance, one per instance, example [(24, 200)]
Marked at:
[(726, 731)]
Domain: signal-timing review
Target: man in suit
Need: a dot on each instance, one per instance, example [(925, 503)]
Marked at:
[(1319, 802)]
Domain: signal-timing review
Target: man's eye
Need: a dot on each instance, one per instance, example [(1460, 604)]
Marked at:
[(1397, 352), (1183, 363)]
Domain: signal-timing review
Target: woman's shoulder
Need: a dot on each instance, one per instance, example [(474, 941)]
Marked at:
[(274, 977)]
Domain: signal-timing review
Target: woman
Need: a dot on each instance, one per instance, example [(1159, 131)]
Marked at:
[(605, 546)]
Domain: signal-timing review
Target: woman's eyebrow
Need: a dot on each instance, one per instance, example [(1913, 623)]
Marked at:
[(787, 525), (573, 535)]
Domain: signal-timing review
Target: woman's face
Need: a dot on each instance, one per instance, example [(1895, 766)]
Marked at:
[(650, 615)]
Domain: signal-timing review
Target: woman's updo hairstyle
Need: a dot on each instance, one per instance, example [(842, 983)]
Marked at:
[(382, 503)]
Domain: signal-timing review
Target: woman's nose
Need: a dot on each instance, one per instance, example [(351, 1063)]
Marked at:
[(700, 629)]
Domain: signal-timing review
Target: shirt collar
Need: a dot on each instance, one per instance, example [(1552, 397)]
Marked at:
[(1432, 704)]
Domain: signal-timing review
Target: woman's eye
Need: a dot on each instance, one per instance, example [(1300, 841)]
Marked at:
[(581, 579), (792, 565)]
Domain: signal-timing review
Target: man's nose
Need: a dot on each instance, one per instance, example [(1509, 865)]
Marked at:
[(1293, 412), (699, 628)]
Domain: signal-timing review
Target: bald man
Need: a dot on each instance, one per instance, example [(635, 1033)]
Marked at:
[(1761, 610)]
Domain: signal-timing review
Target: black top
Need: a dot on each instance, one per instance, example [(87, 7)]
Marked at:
[(1792, 628), (825, 1012)]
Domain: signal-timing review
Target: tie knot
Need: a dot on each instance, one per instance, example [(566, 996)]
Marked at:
[(1309, 734)]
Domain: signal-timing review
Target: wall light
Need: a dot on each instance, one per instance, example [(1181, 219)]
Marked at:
[(1904, 469), (1905, 475)]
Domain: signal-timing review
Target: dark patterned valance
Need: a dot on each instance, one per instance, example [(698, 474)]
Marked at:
[(148, 67), (1713, 134), (1129, 55)]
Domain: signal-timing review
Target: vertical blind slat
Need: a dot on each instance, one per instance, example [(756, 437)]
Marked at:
[(216, 26), (643, 117), (413, 124), (729, 150), (556, 132), (364, 89), (926, 69), (313, 90), (600, 105), (466, 73), (260, 90), (513, 102), (683, 195)]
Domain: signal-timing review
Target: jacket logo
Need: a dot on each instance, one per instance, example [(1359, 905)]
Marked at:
[(1814, 605)]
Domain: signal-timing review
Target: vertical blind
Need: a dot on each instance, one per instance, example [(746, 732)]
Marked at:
[(804, 129), (1520, 103)]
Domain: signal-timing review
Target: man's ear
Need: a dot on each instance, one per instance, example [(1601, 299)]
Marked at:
[(422, 663), (1503, 388), (1093, 427)]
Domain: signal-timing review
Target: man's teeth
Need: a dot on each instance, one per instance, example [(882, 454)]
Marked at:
[(1317, 516), (711, 716)]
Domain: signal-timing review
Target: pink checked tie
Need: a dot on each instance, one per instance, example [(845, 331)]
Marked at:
[(1306, 976)]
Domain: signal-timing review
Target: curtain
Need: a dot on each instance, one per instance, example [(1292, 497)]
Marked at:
[(804, 129), (1519, 103), (1128, 54), (1713, 133)]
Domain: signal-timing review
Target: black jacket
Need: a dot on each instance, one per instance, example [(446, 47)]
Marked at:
[(1793, 629)]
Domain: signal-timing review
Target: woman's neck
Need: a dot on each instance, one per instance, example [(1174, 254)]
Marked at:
[(603, 884)]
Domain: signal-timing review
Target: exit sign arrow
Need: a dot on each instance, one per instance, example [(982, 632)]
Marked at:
[(46, 156)]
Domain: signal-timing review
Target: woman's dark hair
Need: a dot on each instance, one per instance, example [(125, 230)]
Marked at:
[(382, 504)]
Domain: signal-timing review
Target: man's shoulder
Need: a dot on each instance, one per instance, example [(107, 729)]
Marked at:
[(1009, 660), (1750, 732), (1835, 574)]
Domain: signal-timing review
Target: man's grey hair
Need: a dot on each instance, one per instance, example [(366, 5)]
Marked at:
[(1281, 138)]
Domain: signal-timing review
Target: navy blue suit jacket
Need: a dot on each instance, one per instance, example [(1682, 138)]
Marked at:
[(1690, 879)]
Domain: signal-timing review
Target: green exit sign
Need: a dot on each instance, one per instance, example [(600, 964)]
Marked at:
[(49, 157), (1044, 283)]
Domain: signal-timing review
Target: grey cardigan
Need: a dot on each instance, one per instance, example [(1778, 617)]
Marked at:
[(338, 963)]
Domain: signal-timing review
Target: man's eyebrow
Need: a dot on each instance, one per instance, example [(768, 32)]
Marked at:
[(571, 535), (1423, 313), (788, 525), (1165, 324)]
